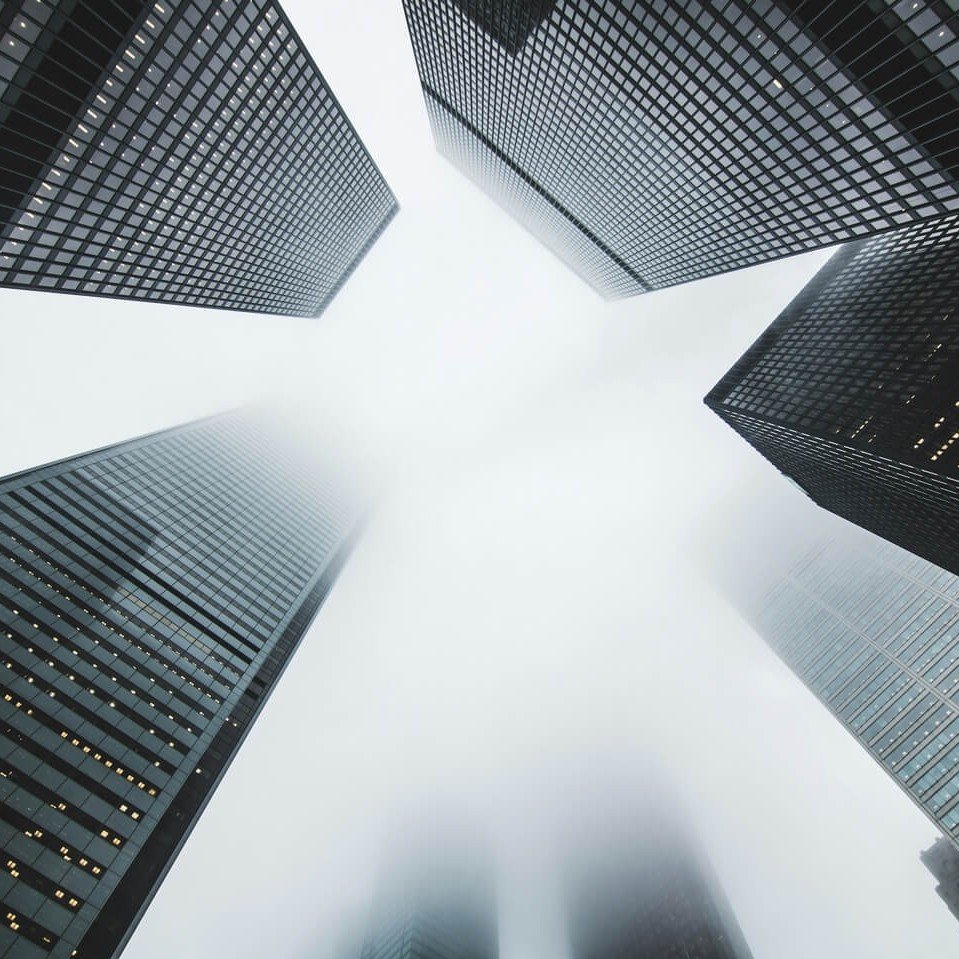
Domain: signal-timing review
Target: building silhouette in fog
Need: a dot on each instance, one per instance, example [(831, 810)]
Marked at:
[(435, 899), (151, 593), (182, 151), (648, 892), (652, 144), (853, 391), (942, 860), (873, 632)]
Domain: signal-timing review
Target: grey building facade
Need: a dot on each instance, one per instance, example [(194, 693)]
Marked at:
[(181, 151), (435, 902), (651, 894), (853, 391), (942, 860), (151, 594), (649, 144), (873, 632)]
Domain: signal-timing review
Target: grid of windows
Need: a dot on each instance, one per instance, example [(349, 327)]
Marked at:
[(874, 632), (656, 143), (852, 391), (150, 595), (182, 151)]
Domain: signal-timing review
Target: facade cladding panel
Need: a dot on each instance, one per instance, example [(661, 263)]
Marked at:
[(663, 902), (873, 632), (151, 594), (182, 151), (853, 391), (654, 143)]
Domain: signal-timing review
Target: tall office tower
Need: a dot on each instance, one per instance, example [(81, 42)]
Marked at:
[(183, 151), (653, 143), (873, 632), (942, 860), (853, 391), (650, 895), (435, 899), (151, 593)]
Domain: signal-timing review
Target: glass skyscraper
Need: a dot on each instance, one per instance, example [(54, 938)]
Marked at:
[(654, 143), (183, 151), (151, 594), (873, 632), (853, 391)]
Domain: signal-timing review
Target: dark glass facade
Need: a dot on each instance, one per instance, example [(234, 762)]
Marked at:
[(151, 593), (182, 151), (853, 391), (942, 860), (652, 896), (873, 632), (654, 143)]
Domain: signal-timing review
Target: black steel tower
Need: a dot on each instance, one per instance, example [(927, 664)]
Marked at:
[(653, 143), (182, 151), (853, 391)]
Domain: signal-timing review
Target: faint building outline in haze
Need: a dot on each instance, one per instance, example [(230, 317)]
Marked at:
[(942, 860), (873, 632), (640, 886), (435, 898)]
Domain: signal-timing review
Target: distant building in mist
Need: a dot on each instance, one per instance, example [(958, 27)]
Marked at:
[(649, 144), (942, 860), (151, 594), (183, 151), (649, 895), (436, 900), (853, 391), (873, 632)]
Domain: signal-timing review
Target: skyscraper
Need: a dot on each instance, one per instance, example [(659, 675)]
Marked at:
[(182, 151), (435, 900), (653, 143), (853, 391), (650, 895), (873, 632), (942, 860), (151, 593)]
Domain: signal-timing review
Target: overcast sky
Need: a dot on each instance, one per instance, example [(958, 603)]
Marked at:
[(527, 608)]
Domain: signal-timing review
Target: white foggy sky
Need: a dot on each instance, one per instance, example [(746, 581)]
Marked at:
[(526, 606)]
